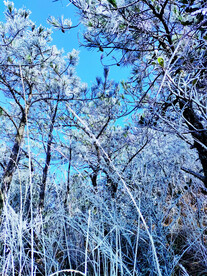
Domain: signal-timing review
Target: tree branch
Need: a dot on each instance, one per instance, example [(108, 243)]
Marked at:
[(197, 175)]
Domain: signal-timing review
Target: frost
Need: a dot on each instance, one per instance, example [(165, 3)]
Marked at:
[(202, 11), (73, 57)]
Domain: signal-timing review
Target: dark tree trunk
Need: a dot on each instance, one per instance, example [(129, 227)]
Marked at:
[(48, 159), (13, 161), (199, 134), (94, 179), (112, 186), (15, 153), (68, 177)]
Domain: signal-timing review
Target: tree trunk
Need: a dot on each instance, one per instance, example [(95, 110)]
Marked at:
[(15, 153), (199, 134), (13, 161), (48, 159)]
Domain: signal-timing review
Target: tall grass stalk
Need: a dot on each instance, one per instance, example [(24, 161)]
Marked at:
[(20, 226), (87, 240)]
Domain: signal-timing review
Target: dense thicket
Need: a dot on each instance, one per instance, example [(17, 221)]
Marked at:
[(107, 180)]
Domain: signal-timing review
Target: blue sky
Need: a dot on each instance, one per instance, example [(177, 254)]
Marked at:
[(89, 66)]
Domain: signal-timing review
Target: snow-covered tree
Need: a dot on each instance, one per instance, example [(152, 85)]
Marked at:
[(165, 44), (36, 81)]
